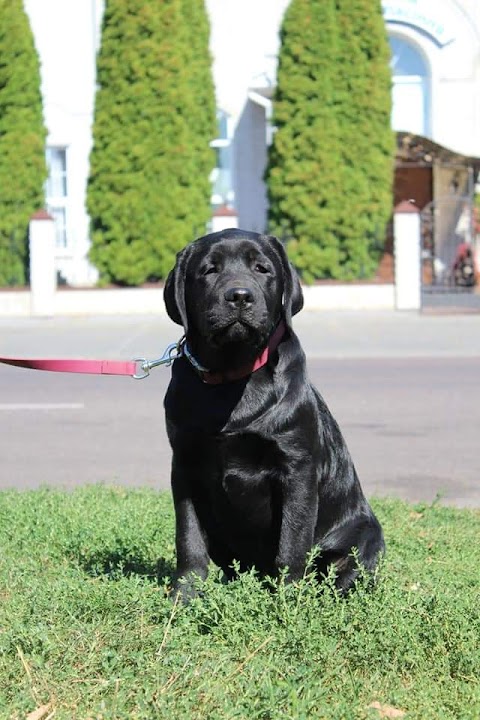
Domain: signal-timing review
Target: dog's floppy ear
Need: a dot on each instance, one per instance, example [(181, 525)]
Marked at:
[(292, 291), (174, 291)]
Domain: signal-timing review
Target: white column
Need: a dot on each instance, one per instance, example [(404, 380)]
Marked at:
[(224, 218), (43, 281), (407, 249)]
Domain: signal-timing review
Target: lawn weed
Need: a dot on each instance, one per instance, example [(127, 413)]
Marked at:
[(87, 626)]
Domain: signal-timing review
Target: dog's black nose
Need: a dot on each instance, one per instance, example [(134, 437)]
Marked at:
[(238, 295)]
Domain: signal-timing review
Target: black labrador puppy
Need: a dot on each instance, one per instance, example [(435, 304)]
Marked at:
[(260, 472)]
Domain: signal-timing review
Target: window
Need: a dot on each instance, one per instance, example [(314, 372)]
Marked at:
[(221, 177), (410, 92), (57, 172), (57, 192)]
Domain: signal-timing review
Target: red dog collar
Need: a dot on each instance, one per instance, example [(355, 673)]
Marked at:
[(211, 377)]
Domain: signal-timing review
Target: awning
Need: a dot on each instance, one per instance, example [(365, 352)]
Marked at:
[(423, 152)]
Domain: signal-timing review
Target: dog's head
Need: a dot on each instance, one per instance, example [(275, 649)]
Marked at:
[(229, 290)]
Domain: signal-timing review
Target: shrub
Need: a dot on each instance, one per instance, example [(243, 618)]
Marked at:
[(22, 140), (330, 165), (149, 191)]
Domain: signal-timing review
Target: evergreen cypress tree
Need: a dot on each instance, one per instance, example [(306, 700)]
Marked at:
[(363, 92), (149, 191), (330, 164), (23, 168), (302, 177), (200, 106)]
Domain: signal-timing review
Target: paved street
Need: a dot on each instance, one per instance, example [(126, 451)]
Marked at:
[(405, 389)]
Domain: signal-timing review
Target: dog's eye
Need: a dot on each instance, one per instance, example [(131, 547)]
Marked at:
[(209, 270), (261, 268)]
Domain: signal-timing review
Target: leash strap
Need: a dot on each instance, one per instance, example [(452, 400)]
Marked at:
[(138, 368), (91, 367)]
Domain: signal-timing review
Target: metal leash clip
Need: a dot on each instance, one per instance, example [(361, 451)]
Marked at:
[(172, 351)]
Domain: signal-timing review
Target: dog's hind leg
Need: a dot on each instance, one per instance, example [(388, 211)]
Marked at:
[(351, 548)]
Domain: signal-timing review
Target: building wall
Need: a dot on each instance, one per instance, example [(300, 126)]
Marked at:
[(65, 33), (64, 37), (244, 45), (447, 35), (250, 158)]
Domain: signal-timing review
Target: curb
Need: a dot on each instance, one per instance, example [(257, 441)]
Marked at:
[(144, 301)]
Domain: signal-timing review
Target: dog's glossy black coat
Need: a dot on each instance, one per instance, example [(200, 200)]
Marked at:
[(260, 473)]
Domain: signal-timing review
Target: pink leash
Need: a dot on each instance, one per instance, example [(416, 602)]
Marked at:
[(138, 368), (94, 367)]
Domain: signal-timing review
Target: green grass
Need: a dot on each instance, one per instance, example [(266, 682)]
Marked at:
[(86, 627)]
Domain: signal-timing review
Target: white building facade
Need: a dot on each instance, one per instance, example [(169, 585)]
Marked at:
[(436, 94)]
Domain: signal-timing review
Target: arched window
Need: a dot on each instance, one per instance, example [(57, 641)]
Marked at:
[(411, 88)]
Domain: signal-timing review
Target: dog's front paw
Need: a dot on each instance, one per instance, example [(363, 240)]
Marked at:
[(187, 587)]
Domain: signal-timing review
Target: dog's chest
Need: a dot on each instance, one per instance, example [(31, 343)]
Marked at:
[(246, 454), (247, 472)]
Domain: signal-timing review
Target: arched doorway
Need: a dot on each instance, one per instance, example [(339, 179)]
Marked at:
[(411, 88)]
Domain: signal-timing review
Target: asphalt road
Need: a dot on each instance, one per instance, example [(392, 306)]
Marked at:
[(405, 390)]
